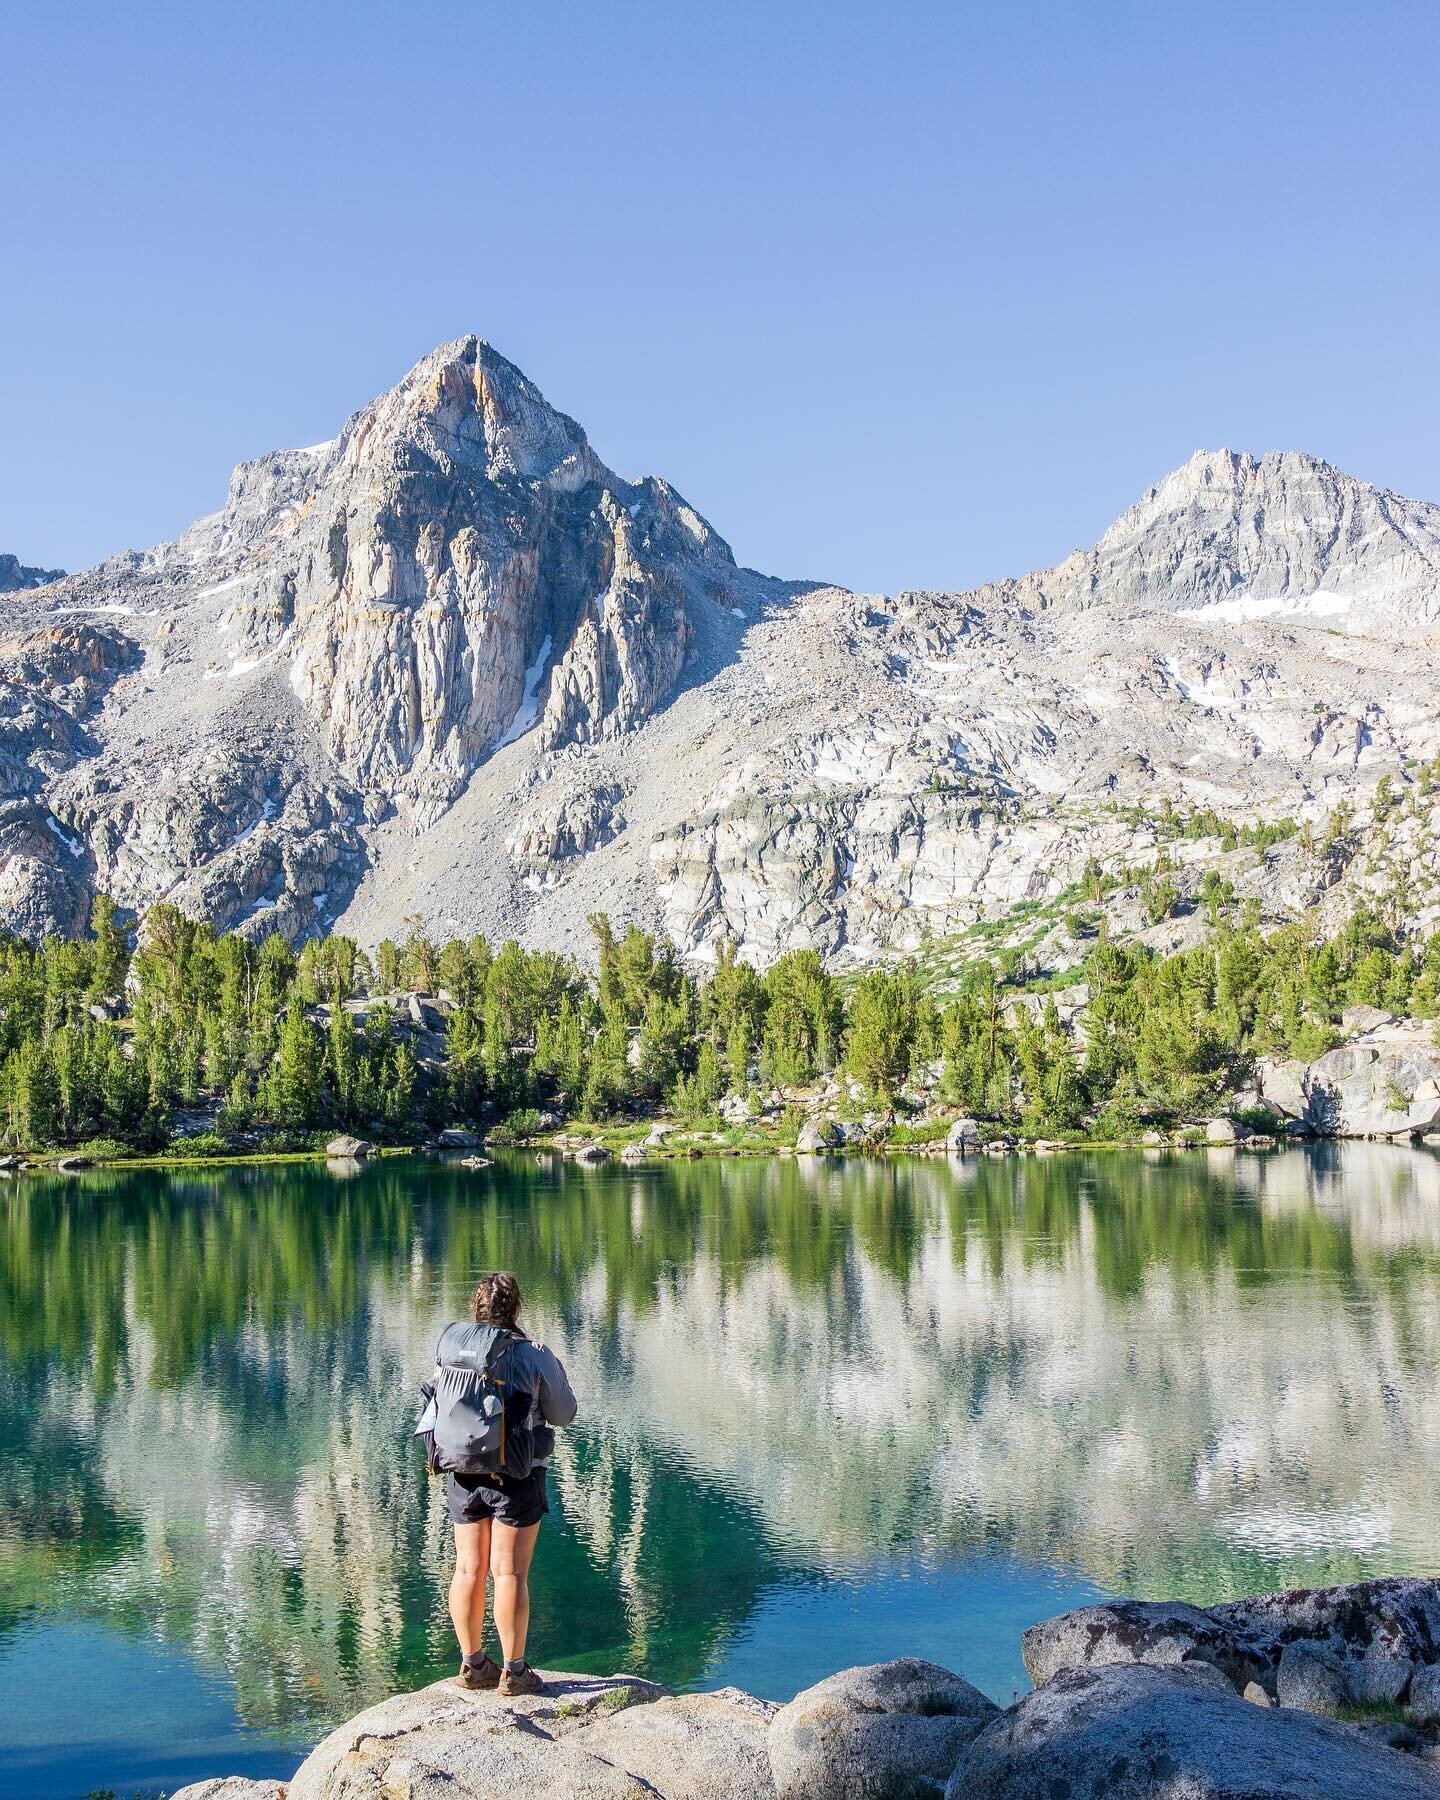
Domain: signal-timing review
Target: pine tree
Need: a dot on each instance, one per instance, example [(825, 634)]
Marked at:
[(239, 1107), (387, 966), (663, 1049), (881, 1025), (112, 948), (298, 1063), (341, 1057), (35, 1115), (398, 1096), (119, 1105), (465, 1061)]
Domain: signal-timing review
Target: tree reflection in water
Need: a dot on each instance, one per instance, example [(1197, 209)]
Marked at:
[(1182, 1373)]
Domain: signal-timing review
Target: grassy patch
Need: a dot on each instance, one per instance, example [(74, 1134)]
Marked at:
[(1373, 1712)]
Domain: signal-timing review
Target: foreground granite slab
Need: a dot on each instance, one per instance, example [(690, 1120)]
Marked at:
[(885, 1731), (1133, 1699), (231, 1787), (445, 1741), (689, 1746), (1132, 1731)]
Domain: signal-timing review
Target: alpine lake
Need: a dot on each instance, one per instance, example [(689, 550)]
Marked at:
[(832, 1410)]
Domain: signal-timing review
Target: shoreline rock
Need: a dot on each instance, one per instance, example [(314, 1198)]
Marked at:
[(1375, 1629), (1132, 1699), (1131, 1730), (890, 1730)]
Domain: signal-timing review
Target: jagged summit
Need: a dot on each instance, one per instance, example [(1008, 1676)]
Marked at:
[(1284, 535), (15, 576), (450, 663)]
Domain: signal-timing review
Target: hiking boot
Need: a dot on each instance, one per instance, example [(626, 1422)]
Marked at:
[(520, 1681), (484, 1674)]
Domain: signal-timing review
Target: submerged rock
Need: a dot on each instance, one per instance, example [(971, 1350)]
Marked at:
[(1128, 1732), (888, 1731)]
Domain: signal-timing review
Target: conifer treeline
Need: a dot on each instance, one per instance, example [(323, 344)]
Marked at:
[(101, 1040)]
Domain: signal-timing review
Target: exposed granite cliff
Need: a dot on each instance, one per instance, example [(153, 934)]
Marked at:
[(449, 663)]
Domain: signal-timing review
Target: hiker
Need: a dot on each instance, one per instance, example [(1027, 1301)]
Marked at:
[(489, 1408)]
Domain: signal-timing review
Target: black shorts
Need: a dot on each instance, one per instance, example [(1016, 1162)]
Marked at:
[(519, 1503)]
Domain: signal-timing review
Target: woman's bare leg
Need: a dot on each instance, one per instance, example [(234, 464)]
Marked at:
[(467, 1585), (510, 1553)]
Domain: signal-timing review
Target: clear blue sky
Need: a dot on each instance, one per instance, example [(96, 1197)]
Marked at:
[(895, 294)]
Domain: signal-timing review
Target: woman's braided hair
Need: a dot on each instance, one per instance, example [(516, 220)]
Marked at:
[(496, 1300)]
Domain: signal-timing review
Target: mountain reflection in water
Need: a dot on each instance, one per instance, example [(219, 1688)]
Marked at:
[(1198, 1374)]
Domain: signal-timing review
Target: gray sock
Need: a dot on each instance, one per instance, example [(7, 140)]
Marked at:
[(515, 1665), (473, 1658)]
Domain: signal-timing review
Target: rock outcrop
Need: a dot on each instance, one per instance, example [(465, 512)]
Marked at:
[(819, 1134), (450, 663), (689, 1746), (565, 825), (1364, 1625), (231, 1787), (1132, 1732), (892, 1731), (1311, 1680), (445, 1741), (1384, 1081), (1134, 1701), (15, 575)]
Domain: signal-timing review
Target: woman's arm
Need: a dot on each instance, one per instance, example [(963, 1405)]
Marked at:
[(557, 1402)]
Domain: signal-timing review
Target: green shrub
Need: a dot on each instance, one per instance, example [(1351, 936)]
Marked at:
[(103, 1148), (524, 1122), (203, 1143), (791, 1120), (929, 1132)]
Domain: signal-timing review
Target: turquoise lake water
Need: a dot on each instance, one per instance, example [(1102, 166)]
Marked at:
[(830, 1412)]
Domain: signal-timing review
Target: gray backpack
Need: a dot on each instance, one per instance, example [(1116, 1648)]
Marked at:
[(476, 1421)]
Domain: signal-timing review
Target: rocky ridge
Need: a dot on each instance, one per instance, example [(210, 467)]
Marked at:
[(15, 575), (449, 663), (1134, 1701)]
